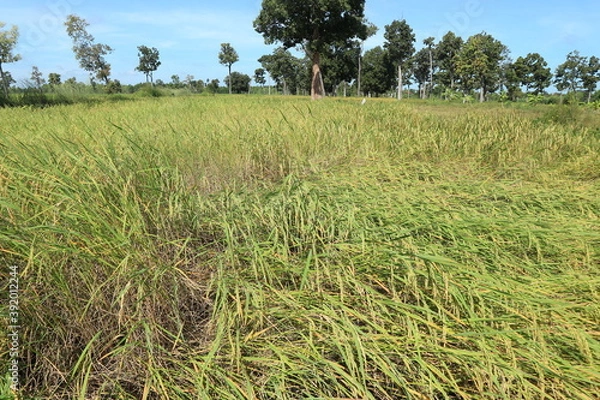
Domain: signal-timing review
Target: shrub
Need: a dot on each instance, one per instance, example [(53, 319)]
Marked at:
[(150, 91)]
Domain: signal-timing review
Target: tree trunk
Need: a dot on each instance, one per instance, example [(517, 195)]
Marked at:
[(229, 80), (359, 72), (317, 88), (4, 85), (399, 81), (430, 71), (482, 94)]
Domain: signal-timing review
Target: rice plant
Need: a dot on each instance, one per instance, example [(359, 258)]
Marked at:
[(268, 248)]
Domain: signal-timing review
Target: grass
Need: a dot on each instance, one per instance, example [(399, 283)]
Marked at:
[(242, 247)]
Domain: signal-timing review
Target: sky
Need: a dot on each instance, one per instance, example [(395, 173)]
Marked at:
[(188, 34)]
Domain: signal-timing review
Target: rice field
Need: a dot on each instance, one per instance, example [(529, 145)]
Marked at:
[(239, 247)]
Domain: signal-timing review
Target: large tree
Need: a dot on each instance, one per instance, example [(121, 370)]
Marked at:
[(446, 54), (377, 72), (400, 45), (569, 75), (340, 64), (510, 80), (532, 72), (371, 31), (285, 69), (429, 42), (149, 62), (315, 25), (479, 63), (228, 56), (240, 83), (421, 68), (8, 42), (89, 54), (591, 76)]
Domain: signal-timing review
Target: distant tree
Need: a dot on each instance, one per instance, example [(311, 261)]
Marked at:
[(213, 86), (228, 56), (189, 81), (54, 78), (591, 76), (532, 72), (114, 87), (198, 86), (7, 77), (421, 68), (371, 31), (175, 81), (340, 64), (193, 85), (446, 54), (259, 76), (510, 80), (283, 67), (8, 42), (149, 62), (240, 83), (37, 78), (479, 63), (378, 72), (71, 81), (315, 25), (89, 54), (569, 75), (399, 43)]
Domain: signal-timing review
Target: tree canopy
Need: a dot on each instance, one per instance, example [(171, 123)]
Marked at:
[(240, 83), (149, 61), (54, 78), (259, 76), (284, 68), (568, 75), (228, 56), (315, 25), (340, 64), (378, 72), (332, 34), (89, 54), (8, 42), (399, 43), (447, 51), (479, 63)]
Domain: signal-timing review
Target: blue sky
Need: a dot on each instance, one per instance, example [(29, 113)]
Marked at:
[(188, 34)]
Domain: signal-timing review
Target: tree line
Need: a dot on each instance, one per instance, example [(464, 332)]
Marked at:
[(331, 34), (452, 67)]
